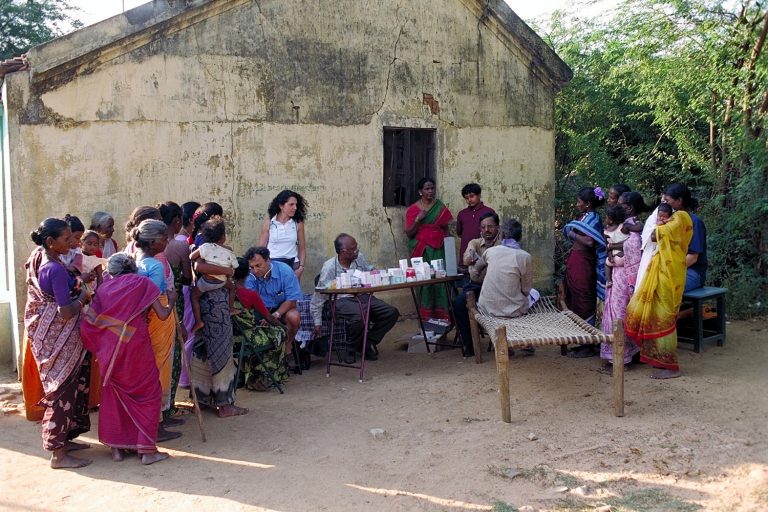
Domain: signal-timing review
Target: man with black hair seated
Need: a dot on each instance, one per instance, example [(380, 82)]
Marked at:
[(382, 316)]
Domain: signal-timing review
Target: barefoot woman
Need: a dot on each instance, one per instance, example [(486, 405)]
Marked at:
[(652, 311), (115, 328), (52, 321)]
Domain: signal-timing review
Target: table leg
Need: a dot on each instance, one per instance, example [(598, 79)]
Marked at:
[(330, 337), (698, 325), (418, 315), (366, 315), (721, 319)]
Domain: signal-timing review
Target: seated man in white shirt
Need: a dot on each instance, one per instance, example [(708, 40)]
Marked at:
[(382, 316), (509, 275)]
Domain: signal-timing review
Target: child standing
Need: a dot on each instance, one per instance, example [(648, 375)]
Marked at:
[(91, 250), (214, 252), (615, 237)]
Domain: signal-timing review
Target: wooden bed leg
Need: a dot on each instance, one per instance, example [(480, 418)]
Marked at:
[(618, 367), (502, 369), (472, 309)]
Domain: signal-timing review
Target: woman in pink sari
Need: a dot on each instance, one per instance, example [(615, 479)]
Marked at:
[(624, 276), (115, 329)]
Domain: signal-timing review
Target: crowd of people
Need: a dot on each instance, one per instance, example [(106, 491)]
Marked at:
[(174, 284), (649, 266), (110, 328)]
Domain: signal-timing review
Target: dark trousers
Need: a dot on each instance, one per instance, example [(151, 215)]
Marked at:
[(381, 320), (461, 313)]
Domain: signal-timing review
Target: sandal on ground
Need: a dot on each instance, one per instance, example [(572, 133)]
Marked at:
[(166, 435), (583, 352), (227, 411), (257, 385)]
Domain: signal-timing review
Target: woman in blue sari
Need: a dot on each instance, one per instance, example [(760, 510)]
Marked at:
[(585, 266)]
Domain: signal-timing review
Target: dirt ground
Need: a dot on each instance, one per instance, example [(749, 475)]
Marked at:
[(694, 443)]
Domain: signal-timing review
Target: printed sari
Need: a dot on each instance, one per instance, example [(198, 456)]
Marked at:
[(585, 269), (618, 295), (429, 244), (266, 341), (63, 365), (115, 329), (652, 311), (212, 368)]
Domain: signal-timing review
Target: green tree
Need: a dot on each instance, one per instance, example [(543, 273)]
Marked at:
[(26, 23), (675, 90)]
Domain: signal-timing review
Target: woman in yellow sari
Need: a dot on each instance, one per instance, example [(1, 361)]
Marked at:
[(652, 311)]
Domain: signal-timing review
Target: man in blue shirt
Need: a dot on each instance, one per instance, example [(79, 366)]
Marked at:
[(278, 287)]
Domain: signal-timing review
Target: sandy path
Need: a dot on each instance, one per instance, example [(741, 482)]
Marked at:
[(698, 441)]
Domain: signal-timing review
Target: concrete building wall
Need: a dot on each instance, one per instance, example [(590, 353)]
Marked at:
[(234, 101)]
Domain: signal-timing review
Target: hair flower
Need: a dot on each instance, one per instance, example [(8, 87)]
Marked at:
[(599, 193)]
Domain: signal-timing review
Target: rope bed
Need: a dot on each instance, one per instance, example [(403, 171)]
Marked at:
[(543, 325)]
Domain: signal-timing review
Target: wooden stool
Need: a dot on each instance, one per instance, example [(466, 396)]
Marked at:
[(715, 329)]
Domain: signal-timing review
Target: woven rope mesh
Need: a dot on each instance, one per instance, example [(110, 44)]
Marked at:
[(543, 325)]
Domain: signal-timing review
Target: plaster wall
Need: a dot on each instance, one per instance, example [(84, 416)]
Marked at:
[(238, 100)]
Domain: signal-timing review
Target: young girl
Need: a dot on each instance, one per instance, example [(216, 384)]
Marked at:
[(77, 228), (614, 222), (91, 252), (214, 252), (104, 225)]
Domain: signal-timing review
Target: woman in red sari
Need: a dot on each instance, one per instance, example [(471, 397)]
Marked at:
[(426, 225), (115, 329)]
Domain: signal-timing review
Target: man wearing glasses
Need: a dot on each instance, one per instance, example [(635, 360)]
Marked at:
[(490, 236), (382, 315)]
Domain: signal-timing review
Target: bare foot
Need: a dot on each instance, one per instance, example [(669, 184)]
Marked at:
[(72, 446), (151, 458), (667, 374), (117, 455), (68, 461), (226, 411), (197, 326)]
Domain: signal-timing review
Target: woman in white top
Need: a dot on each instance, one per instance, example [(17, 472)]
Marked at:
[(282, 232)]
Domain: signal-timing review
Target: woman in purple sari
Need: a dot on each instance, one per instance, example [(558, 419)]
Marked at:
[(618, 294), (55, 299)]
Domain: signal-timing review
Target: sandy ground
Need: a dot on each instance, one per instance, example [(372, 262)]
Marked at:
[(695, 443)]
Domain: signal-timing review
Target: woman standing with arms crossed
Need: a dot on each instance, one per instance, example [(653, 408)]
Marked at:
[(52, 322), (426, 226), (282, 232)]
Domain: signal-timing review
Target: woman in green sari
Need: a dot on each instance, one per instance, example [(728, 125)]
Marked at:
[(258, 332), (426, 225)]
